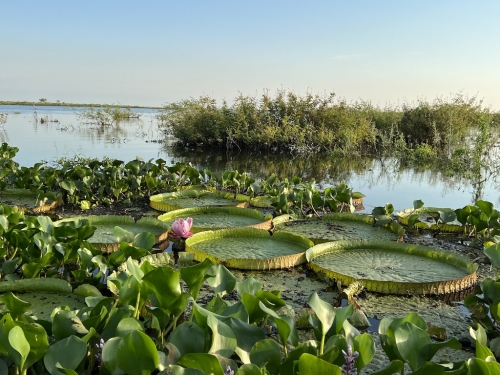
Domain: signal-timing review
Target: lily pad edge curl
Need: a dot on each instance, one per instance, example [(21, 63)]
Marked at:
[(277, 262), (432, 287)]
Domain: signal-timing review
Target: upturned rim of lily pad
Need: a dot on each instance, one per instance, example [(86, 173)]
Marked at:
[(171, 216), (49, 206), (394, 227), (160, 202), (431, 287), (405, 214), (277, 262)]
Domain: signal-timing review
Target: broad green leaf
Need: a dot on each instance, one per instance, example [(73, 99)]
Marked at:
[(20, 347), (178, 370), (165, 282), (66, 324), (311, 347), (266, 353), (15, 305), (38, 341), (493, 253), (223, 281), (250, 369), (224, 341), (109, 356), (68, 353), (196, 342), (395, 367), (194, 276), (324, 311), (413, 344), (137, 354), (207, 363), (127, 325), (123, 235), (246, 336), (311, 365), (486, 207), (417, 204), (365, 346), (144, 240)]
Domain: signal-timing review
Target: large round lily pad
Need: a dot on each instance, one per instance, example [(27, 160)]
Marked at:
[(426, 221), (196, 198), (339, 226), (212, 218), (249, 248), (104, 237), (26, 199), (393, 267)]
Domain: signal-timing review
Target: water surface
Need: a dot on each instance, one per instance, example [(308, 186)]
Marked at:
[(62, 135)]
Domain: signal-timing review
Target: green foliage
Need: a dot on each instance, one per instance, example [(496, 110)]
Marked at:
[(107, 115)]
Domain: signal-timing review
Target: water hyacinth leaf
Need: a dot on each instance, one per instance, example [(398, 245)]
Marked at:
[(249, 285), (207, 363), (144, 240), (15, 305), (222, 280), (68, 185), (251, 369), (447, 216), (224, 341), (311, 365), (194, 276), (127, 325), (9, 266), (283, 327), (493, 254), (486, 207), (19, 347), (109, 356), (135, 270), (178, 370), (266, 353), (251, 304), (324, 311), (37, 338), (165, 282), (137, 354), (246, 336), (394, 367), (412, 219), (413, 345), (66, 324), (68, 353), (123, 235), (196, 342), (365, 346), (417, 204), (310, 346)]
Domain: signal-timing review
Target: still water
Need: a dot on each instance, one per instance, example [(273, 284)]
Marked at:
[(63, 135)]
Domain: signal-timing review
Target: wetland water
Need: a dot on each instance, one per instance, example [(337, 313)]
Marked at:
[(63, 135)]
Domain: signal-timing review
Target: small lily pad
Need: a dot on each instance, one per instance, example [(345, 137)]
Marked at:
[(338, 226), (104, 237), (392, 267), (426, 219), (196, 198), (213, 218), (26, 199), (249, 248)]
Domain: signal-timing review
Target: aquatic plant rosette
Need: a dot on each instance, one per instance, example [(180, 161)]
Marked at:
[(426, 222), (105, 238), (249, 248), (195, 197), (392, 267), (213, 218), (337, 227)]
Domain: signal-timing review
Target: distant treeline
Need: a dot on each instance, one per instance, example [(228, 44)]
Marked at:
[(315, 123), (63, 104)]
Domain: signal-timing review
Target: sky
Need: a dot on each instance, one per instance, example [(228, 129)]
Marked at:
[(155, 52)]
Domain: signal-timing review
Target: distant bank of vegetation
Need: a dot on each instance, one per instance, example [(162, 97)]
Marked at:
[(313, 123), (45, 103)]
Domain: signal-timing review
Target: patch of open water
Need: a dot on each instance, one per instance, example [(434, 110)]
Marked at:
[(62, 135)]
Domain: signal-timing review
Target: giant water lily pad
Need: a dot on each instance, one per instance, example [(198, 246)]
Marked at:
[(27, 200), (104, 237), (393, 267), (212, 218), (427, 219), (196, 198), (43, 303), (249, 248), (338, 226)]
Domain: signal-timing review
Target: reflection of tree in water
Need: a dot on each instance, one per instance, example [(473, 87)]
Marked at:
[(328, 170), (4, 136)]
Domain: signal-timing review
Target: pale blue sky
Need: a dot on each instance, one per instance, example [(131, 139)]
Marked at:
[(153, 52)]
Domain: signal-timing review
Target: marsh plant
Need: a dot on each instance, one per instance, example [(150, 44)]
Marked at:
[(108, 115)]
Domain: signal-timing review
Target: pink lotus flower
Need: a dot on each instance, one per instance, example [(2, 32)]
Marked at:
[(181, 228)]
